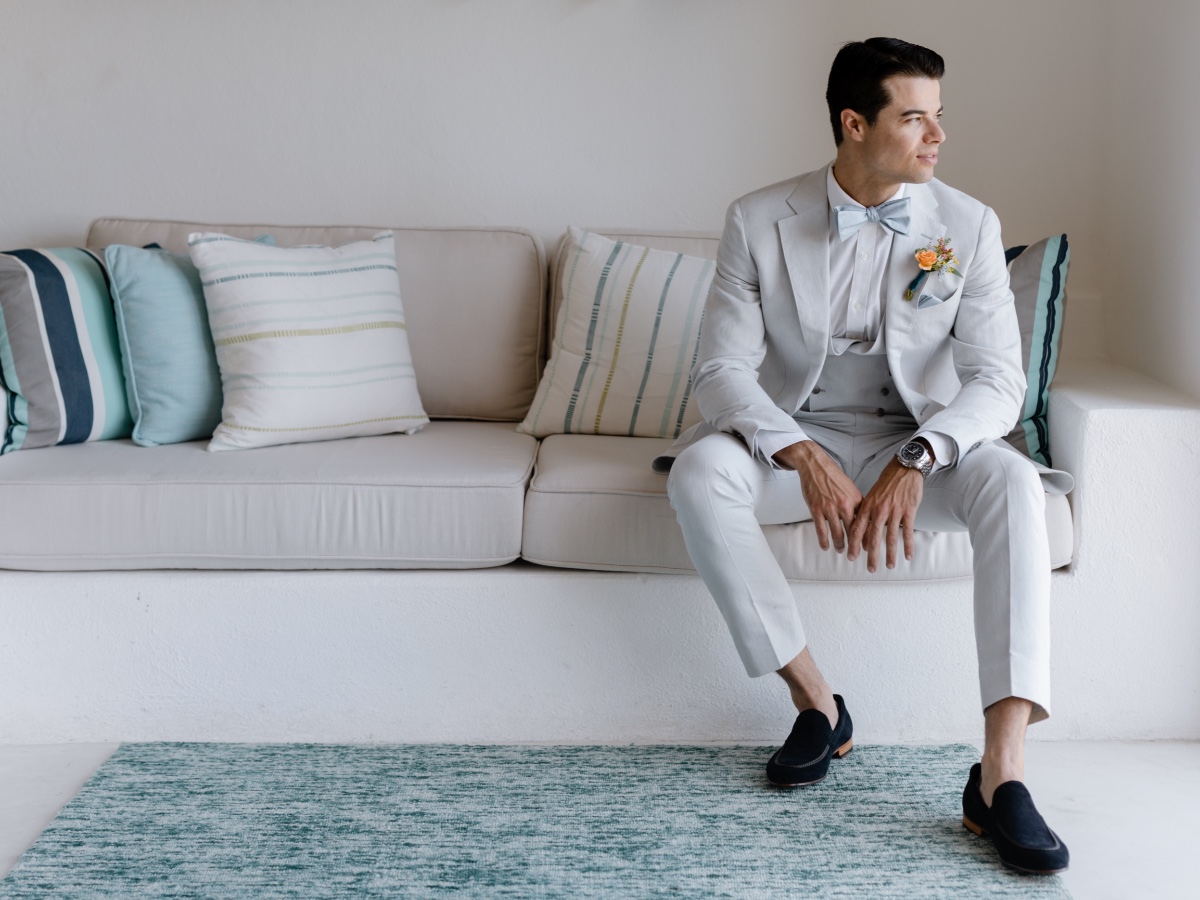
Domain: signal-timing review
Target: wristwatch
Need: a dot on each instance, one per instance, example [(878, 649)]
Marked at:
[(915, 455)]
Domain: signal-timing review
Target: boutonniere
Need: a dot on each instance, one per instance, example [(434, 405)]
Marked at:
[(938, 257)]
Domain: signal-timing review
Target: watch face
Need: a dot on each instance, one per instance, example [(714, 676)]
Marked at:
[(912, 452)]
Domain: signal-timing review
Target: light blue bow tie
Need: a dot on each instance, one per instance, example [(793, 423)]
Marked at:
[(893, 214)]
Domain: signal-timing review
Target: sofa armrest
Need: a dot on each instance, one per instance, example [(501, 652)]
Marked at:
[(1129, 442)]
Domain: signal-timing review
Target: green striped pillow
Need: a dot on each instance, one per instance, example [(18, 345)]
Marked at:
[(1038, 276), (59, 360), (311, 342), (625, 343)]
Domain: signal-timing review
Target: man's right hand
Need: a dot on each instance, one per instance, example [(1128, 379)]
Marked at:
[(831, 496)]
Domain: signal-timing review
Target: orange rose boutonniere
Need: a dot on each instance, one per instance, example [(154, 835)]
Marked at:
[(937, 257)]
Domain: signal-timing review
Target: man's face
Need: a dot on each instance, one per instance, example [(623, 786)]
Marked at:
[(902, 145)]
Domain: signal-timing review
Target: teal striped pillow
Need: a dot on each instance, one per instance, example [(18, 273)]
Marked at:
[(59, 360), (1038, 277), (625, 341)]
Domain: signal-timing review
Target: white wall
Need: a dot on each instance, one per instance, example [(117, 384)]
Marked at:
[(647, 113), (1151, 130)]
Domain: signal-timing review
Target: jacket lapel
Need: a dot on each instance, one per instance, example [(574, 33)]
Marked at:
[(804, 238)]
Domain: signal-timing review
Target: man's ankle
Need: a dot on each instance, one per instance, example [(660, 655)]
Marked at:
[(1002, 768), (822, 700)]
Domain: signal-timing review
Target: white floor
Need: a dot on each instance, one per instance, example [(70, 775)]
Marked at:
[(1125, 809)]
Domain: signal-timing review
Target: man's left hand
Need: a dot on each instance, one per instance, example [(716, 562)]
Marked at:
[(891, 506)]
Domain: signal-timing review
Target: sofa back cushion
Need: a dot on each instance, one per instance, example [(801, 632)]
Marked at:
[(474, 300)]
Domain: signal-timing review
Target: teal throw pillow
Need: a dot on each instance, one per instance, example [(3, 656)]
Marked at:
[(171, 375), (1038, 276)]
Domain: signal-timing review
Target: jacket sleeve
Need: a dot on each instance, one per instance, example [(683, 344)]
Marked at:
[(732, 346), (986, 347)]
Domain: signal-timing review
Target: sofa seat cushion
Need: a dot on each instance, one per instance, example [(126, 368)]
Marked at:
[(595, 503), (449, 496)]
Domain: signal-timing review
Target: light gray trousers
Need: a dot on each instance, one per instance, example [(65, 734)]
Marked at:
[(722, 496)]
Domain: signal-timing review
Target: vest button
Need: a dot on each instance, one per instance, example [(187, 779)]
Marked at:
[(885, 392), (816, 390), (879, 412)]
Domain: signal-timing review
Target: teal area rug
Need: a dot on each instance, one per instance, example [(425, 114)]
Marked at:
[(321, 820)]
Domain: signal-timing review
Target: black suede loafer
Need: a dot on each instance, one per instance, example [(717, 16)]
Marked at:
[(805, 756), (1018, 831)]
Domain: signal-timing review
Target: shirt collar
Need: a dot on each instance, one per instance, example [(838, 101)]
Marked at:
[(838, 197)]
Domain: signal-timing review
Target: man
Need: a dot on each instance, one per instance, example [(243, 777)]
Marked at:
[(830, 390)]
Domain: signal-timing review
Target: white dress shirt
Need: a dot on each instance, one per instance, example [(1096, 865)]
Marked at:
[(857, 290), (857, 278)]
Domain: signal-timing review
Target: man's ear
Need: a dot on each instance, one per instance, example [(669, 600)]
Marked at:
[(853, 125)]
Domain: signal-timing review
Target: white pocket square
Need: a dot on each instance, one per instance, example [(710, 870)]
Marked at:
[(928, 300)]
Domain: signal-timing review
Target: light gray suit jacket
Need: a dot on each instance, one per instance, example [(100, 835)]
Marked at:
[(956, 360)]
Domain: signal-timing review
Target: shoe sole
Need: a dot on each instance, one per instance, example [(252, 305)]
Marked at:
[(971, 826), (837, 754)]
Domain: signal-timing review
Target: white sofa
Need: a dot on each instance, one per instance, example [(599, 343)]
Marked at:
[(103, 643)]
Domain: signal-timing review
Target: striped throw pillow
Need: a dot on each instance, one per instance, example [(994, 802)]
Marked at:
[(627, 336), (1038, 277), (311, 342), (59, 359)]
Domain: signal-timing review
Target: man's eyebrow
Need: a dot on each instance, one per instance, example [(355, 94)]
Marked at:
[(917, 112)]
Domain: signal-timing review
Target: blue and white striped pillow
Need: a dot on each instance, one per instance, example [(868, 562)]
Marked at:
[(1038, 276), (59, 359)]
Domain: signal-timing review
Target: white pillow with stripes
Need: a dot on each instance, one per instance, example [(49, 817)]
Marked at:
[(311, 341), (625, 342)]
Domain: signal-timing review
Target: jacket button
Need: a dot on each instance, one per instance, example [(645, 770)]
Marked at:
[(816, 390), (879, 412), (885, 392)]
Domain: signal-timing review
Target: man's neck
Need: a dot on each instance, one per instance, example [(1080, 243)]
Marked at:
[(863, 185)]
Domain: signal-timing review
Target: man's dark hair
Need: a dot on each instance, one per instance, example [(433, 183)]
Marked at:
[(858, 72)]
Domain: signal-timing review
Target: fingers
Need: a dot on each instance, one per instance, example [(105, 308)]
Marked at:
[(899, 526), (831, 528), (838, 534), (874, 525), (822, 530), (893, 539), (832, 505), (886, 515), (858, 530), (874, 533)]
